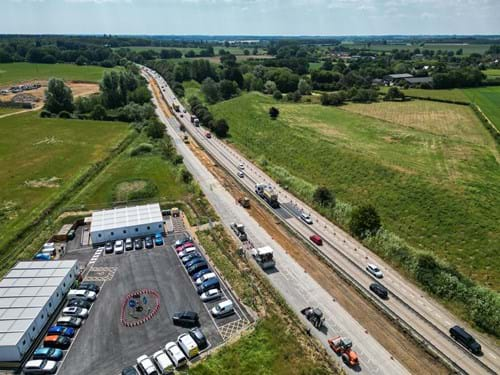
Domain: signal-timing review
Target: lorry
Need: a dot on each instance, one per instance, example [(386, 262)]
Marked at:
[(239, 230), (343, 347), (264, 256), (268, 194), (314, 315), (195, 121)]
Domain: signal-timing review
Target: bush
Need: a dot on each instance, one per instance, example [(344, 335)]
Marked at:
[(64, 114), (332, 99), (45, 114), (221, 128), (98, 113), (277, 95), (364, 221), (274, 112), (324, 197), (155, 129), (143, 148)]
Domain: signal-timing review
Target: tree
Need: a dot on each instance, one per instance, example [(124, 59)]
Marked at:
[(394, 93), (221, 128), (274, 112), (98, 113), (155, 129), (81, 60), (269, 87), (246, 52), (364, 221), (304, 87), (327, 65), (277, 95), (228, 89), (58, 97), (112, 95), (140, 95), (324, 197), (210, 89)]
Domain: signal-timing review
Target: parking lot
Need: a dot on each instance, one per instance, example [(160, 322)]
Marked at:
[(111, 338)]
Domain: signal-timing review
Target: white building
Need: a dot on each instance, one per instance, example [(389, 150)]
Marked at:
[(120, 223), (29, 295)]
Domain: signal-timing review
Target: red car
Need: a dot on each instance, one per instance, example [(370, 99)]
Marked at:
[(183, 247), (208, 135), (316, 239)]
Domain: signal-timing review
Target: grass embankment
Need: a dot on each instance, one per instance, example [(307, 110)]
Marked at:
[(13, 73), (7, 110)]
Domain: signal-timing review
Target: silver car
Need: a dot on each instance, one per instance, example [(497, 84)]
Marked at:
[(77, 312), (211, 295), (374, 270)]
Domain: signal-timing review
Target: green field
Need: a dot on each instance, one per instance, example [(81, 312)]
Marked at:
[(488, 99), (436, 183), (467, 48), (452, 94), (21, 72), (39, 158), (492, 73), (7, 110), (233, 50)]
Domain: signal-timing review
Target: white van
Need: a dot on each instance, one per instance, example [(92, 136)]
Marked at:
[(175, 354), (87, 295), (188, 346), (163, 362), (205, 277), (222, 309)]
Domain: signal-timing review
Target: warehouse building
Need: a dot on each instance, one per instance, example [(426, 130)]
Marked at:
[(29, 295), (121, 223)]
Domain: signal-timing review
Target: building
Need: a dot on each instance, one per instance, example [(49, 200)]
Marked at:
[(29, 295), (390, 78), (121, 223), (416, 81)]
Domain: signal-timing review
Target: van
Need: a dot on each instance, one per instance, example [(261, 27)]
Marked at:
[(164, 363), (223, 309), (175, 354), (86, 295), (207, 285), (460, 335), (188, 346)]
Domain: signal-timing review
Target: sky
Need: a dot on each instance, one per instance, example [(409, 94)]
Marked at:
[(250, 17)]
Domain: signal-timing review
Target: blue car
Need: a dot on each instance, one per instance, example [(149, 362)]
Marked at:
[(52, 354), (197, 275), (61, 331), (41, 256), (158, 239)]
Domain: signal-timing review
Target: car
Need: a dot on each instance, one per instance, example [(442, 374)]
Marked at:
[(108, 248), (69, 321), (182, 241), (158, 239), (197, 275), (306, 218), (207, 285), (42, 256), (197, 267), (184, 110), (184, 246), (241, 167), (188, 345), (190, 257), (175, 354), (119, 247), (379, 290), (316, 239), (129, 371), (86, 295), (77, 302), (71, 234), (146, 365), (52, 354), (241, 174), (199, 338), (129, 245), (93, 287), (138, 244), (148, 243), (205, 277), (208, 135), (186, 319), (211, 295), (181, 115), (374, 270), (459, 334), (186, 251), (40, 366), (222, 309), (194, 261), (76, 312), (54, 341), (163, 362), (61, 331)]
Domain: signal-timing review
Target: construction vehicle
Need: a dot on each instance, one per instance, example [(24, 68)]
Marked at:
[(314, 315), (268, 194), (343, 347), (264, 256), (244, 201), (239, 230)]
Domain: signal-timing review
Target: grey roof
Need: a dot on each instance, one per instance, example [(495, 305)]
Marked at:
[(32, 291), (43, 264), (126, 217), (36, 273), (419, 80), (398, 76)]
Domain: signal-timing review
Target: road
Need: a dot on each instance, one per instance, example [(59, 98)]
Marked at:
[(407, 302), (297, 287)]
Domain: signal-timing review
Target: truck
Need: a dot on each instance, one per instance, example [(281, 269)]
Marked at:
[(239, 230), (268, 194), (264, 256), (176, 107), (195, 121)]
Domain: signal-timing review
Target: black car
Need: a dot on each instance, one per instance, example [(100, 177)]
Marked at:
[(379, 290), (138, 244), (194, 261), (199, 338), (464, 338), (90, 286), (188, 258), (197, 267), (186, 319), (108, 248), (59, 342), (75, 302), (129, 371), (148, 243)]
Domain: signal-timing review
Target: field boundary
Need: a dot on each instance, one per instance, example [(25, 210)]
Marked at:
[(488, 124)]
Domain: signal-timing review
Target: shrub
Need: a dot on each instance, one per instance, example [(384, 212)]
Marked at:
[(324, 197), (98, 113), (274, 112), (45, 114), (143, 148), (221, 128), (277, 95), (155, 129), (364, 221), (64, 114)]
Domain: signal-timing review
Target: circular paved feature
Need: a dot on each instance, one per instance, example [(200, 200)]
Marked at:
[(139, 306)]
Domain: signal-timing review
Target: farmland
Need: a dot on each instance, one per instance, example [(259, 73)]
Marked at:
[(233, 50), (21, 72), (435, 183), (456, 95), (488, 99), (467, 48)]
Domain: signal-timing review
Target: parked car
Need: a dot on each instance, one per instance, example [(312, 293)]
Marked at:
[(190, 257), (306, 218), (129, 371), (374, 270), (61, 331), (138, 244), (52, 354), (40, 366), (175, 354), (129, 245), (199, 338), (146, 365), (316, 239), (205, 277), (108, 248), (182, 241), (119, 247), (197, 275), (186, 319), (222, 309), (69, 321), (194, 261), (188, 345), (197, 267), (207, 285), (379, 290), (163, 362), (86, 295), (54, 341), (89, 286), (148, 243), (211, 295), (77, 302), (183, 246), (158, 239), (42, 256), (186, 251), (76, 311), (459, 334)]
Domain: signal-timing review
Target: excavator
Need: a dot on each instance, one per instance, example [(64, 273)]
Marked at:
[(314, 315), (343, 347)]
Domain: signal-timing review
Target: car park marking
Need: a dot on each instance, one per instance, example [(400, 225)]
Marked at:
[(232, 328), (101, 274), (96, 256)]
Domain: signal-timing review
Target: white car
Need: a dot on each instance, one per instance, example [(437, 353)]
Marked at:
[(223, 309), (306, 218), (175, 354), (77, 312), (119, 247), (374, 270), (187, 251), (40, 366), (241, 174), (211, 295), (241, 167), (146, 365), (205, 277), (87, 295), (163, 362), (188, 346)]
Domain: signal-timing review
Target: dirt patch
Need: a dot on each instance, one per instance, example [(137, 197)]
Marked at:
[(47, 182), (124, 189)]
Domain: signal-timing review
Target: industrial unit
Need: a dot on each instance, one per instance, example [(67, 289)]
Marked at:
[(29, 295), (121, 223)]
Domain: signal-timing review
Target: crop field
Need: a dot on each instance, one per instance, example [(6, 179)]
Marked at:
[(233, 50), (435, 184), (488, 99), (492, 73), (451, 94), (39, 158), (14, 73), (467, 48)]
